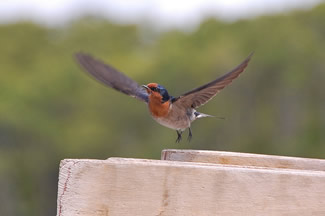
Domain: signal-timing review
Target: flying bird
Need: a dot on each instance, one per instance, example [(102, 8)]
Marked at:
[(173, 112)]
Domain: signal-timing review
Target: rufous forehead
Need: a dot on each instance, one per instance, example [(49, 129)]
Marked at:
[(152, 85)]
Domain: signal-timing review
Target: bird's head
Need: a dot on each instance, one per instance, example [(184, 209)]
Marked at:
[(157, 91)]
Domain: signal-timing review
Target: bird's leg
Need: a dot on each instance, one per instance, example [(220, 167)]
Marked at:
[(189, 134), (179, 136)]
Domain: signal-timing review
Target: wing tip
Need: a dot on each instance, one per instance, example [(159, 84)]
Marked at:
[(249, 56), (242, 66), (79, 56)]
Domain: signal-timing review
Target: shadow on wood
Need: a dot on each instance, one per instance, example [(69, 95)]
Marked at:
[(243, 159)]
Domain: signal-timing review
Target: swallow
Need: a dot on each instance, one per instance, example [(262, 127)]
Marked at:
[(176, 113)]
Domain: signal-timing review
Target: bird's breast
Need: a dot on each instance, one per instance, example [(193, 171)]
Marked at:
[(170, 116), (158, 109)]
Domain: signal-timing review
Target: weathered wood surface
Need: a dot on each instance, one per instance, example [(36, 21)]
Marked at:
[(151, 187), (243, 159)]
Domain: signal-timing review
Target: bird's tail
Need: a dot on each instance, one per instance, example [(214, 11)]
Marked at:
[(202, 115)]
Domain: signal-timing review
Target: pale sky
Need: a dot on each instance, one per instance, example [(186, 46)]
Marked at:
[(162, 14)]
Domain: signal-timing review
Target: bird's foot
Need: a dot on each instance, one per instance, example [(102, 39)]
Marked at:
[(189, 135), (179, 136)]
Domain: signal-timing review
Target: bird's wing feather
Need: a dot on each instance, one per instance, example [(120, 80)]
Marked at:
[(111, 77), (201, 95)]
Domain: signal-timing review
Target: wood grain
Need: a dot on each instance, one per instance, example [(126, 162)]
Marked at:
[(120, 186)]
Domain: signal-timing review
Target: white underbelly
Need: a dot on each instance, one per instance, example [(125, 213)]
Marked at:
[(173, 125)]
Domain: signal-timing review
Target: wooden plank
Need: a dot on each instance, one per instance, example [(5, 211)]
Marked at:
[(151, 187), (243, 159)]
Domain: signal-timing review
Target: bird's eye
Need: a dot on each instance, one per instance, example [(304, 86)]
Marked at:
[(153, 88)]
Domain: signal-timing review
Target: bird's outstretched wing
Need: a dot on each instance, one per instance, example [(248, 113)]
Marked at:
[(204, 93), (111, 77)]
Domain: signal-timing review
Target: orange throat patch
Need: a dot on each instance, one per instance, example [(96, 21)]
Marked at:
[(157, 108)]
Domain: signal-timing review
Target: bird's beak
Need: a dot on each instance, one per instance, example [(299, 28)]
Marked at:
[(146, 87)]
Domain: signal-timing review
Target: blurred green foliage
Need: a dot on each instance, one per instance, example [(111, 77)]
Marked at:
[(51, 110)]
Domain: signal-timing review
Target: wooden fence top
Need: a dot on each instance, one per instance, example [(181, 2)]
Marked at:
[(120, 186)]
